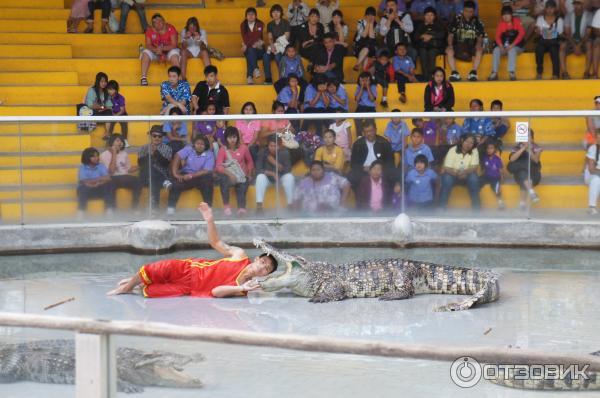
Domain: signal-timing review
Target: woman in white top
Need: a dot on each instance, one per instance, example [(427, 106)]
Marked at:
[(120, 169), (194, 44), (592, 175), (339, 27), (550, 28)]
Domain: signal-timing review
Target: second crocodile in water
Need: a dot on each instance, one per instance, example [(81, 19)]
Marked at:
[(387, 279)]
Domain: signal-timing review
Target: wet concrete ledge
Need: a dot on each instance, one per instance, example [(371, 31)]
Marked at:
[(160, 236)]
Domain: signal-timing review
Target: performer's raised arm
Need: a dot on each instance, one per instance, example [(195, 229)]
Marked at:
[(213, 236)]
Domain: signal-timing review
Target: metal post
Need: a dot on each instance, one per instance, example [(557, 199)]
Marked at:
[(92, 368), (529, 150)]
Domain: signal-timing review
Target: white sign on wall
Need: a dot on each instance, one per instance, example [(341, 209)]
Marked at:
[(522, 132)]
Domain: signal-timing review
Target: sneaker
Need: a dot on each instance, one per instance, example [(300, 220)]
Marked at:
[(167, 184), (501, 205), (534, 197), (493, 77), (170, 211), (268, 80), (403, 98), (144, 81), (454, 76), (256, 73), (384, 104), (472, 76), (241, 212), (512, 76), (227, 211), (538, 76), (249, 80), (592, 211)]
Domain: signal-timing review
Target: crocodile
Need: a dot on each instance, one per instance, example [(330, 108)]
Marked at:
[(53, 361), (387, 279)]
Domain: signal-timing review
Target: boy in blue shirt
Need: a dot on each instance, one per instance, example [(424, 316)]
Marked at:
[(478, 125), (501, 124), (176, 132), (453, 131), (365, 97), (404, 69), (396, 132), (420, 182), (416, 148), (290, 64), (94, 182)]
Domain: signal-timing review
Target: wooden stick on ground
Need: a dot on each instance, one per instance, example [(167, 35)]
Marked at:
[(59, 303)]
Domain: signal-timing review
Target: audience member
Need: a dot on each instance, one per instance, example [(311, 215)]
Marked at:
[(367, 149), (338, 98), (465, 41), (451, 131), (153, 161), (338, 28), (404, 70), (309, 141), (415, 148), (509, 42), (321, 191), (175, 93), (118, 109), (161, 45), (234, 168), (329, 59), (549, 27), (578, 39), (253, 47), (365, 94), (249, 129), (194, 44), (290, 64), (176, 131), (278, 35), (270, 127), (522, 10), (126, 6), (94, 182), (326, 9), (119, 167), (208, 128), (98, 99), (492, 168), (439, 94), (365, 41), (429, 40), (501, 124), (481, 126), (331, 155), (374, 192), (593, 175), (383, 74), (79, 13), (343, 135), (103, 5), (273, 166), (192, 167), (297, 13), (210, 90), (395, 28), (525, 166), (396, 132), (460, 167), (421, 182), (292, 95), (311, 35)]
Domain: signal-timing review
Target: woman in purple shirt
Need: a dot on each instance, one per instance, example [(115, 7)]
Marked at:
[(192, 167), (94, 182)]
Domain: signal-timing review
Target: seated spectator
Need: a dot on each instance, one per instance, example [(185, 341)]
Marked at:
[(373, 192), (175, 93), (270, 127), (234, 170), (309, 141), (465, 41), (421, 183), (429, 40), (367, 149), (401, 4), (98, 99), (119, 167), (382, 72), (273, 165), (550, 29), (482, 126), (365, 41), (365, 96), (249, 129), (396, 132), (118, 109), (592, 177), (290, 64), (343, 135), (278, 34), (210, 90), (153, 161), (596, 44), (578, 35), (338, 98), (321, 191), (103, 5), (338, 28), (176, 132), (253, 47), (404, 70), (592, 125), (418, 7), (451, 131), (208, 128), (126, 6), (509, 42), (297, 13), (439, 94), (492, 171), (331, 155), (329, 59), (429, 129), (94, 182), (194, 44), (460, 167), (395, 28), (161, 45), (522, 9), (525, 166), (192, 167), (326, 9), (291, 96), (311, 35), (79, 13), (415, 148), (501, 124), (316, 98)]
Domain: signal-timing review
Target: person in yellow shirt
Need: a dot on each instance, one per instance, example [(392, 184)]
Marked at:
[(460, 167), (330, 154)]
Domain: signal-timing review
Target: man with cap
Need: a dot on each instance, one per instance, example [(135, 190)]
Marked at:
[(578, 33), (154, 159)]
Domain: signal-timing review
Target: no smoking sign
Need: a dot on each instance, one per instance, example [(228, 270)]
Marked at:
[(522, 132)]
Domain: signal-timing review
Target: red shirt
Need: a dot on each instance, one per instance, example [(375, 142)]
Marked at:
[(252, 36), (505, 27), (165, 39)]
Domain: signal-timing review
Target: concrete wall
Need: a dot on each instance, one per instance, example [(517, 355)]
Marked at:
[(151, 236)]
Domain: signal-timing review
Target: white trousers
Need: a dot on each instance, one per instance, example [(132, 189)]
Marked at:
[(263, 182), (594, 192)]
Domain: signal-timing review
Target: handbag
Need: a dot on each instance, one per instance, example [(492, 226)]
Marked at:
[(84, 110), (231, 165), (288, 138)]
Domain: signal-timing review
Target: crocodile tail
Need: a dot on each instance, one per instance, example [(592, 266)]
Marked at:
[(482, 285), (504, 377)]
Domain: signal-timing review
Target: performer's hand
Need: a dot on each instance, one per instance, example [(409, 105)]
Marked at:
[(206, 211), (250, 285)]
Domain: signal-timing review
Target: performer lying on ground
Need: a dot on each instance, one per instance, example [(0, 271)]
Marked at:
[(199, 277)]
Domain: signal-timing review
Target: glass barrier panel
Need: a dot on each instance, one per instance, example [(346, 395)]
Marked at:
[(11, 173)]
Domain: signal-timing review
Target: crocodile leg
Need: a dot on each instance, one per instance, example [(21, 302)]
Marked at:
[(329, 290)]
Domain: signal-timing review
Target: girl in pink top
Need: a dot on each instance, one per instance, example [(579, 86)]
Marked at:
[(234, 152), (343, 135), (249, 129), (79, 12), (273, 126)]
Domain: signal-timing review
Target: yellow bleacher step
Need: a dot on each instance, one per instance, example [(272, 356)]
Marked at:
[(35, 51), (45, 143), (33, 4), (9, 109), (33, 26), (39, 78), (50, 160), (33, 13), (38, 128)]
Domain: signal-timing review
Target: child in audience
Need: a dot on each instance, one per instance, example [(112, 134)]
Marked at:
[(292, 95), (365, 97), (290, 64), (492, 171), (309, 142), (249, 129), (118, 109), (330, 154), (404, 68), (343, 135), (396, 132), (382, 71), (452, 129), (176, 132), (415, 148), (338, 98), (501, 124), (420, 183), (208, 128)]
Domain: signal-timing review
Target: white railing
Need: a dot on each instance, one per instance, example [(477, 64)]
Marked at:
[(96, 367)]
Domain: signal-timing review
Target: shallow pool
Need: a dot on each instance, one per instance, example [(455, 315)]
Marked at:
[(547, 303)]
